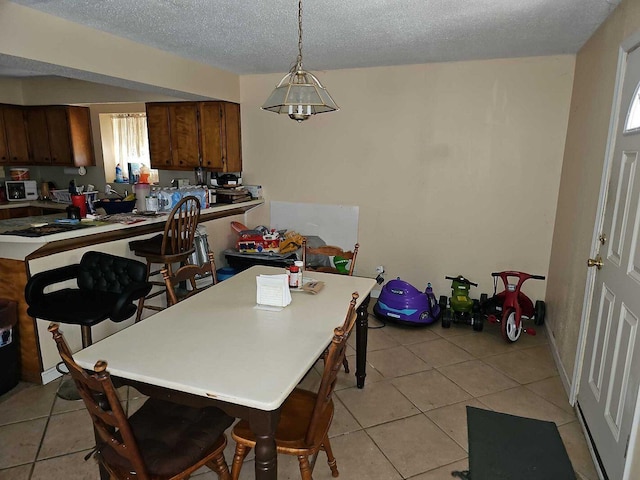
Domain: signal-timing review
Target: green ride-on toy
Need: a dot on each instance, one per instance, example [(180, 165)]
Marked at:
[(460, 308)]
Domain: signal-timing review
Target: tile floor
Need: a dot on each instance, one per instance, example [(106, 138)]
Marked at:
[(408, 422)]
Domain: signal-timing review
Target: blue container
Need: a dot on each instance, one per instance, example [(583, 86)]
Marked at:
[(225, 272)]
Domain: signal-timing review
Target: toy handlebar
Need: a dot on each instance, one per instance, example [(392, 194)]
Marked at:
[(462, 279), (517, 274)]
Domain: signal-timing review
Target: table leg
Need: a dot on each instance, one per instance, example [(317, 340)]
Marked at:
[(362, 330), (263, 425)]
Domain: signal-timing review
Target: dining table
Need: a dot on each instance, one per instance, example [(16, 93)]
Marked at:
[(217, 348)]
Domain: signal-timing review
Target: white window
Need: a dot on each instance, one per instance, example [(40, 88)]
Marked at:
[(633, 117), (131, 146)]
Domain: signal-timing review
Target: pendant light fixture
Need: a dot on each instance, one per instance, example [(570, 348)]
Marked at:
[(300, 94)]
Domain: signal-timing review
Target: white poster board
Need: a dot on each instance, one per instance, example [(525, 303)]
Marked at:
[(335, 224)]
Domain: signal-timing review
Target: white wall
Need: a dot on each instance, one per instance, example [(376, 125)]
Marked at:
[(455, 166)]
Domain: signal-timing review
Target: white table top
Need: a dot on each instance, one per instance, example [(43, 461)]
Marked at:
[(216, 344)]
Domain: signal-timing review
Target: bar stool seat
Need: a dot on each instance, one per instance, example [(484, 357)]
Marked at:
[(174, 246)]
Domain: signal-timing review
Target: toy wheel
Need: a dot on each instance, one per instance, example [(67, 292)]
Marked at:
[(483, 302), (442, 301), (541, 310), (475, 308), (478, 323), (446, 319), (510, 332)]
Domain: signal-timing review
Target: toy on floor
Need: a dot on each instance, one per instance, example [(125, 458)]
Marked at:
[(401, 302), (462, 309), (511, 307)]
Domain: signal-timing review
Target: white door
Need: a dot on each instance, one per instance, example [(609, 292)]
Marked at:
[(610, 372)]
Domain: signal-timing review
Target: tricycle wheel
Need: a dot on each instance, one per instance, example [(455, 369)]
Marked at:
[(541, 310), (478, 324), (446, 319), (510, 332)]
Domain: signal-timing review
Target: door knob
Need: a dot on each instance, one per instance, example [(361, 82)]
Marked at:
[(595, 262)]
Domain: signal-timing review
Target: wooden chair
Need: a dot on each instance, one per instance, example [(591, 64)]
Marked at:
[(328, 251), (174, 246), (161, 440), (306, 416), (189, 273)]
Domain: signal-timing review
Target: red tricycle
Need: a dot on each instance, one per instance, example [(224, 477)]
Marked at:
[(510, 307)]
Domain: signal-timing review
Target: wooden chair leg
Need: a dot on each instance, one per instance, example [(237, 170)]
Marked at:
[(331, 460), (345, 364), (140, 308), (238, 459), (305, 467), (219, 465)]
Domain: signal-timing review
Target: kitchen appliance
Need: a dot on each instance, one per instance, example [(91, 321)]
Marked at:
[(18, 190)]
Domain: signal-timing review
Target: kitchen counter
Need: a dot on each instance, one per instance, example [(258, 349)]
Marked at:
[(27, 248), (44, 204), (21, 257)]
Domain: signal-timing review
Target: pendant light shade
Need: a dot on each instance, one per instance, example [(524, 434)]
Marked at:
[(300, 94)]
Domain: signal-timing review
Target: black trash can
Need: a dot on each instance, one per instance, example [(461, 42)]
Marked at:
[(9, 346)]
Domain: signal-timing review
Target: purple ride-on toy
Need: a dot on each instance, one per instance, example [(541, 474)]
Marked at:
[(401, 302)]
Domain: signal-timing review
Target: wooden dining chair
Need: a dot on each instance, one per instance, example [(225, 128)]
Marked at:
[(326, 252), (306, 416), (189, 273), (160, 441), (174, 246)]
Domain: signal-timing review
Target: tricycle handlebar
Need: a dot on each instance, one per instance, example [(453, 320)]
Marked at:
[(517, 274)]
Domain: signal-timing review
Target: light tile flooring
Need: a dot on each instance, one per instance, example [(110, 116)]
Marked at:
[(408, 422)]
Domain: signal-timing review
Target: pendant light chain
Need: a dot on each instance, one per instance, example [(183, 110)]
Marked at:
[(299, 60)]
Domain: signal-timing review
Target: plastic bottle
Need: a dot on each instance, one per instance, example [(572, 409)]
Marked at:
[(119, 177)]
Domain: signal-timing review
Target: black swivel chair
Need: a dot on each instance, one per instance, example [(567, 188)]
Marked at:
[(107, 287)]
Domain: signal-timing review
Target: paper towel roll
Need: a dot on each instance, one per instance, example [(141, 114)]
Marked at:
[(75, 171)]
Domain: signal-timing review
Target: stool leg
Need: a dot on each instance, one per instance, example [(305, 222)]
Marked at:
[(141, 301), (67, 389)]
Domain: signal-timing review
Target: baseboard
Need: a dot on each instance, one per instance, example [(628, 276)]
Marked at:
[(50, 375), (564, 377)]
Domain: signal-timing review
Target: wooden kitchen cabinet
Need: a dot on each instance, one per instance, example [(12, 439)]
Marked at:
[(220, 137), (60, 136), (14, 134), (185, 135)]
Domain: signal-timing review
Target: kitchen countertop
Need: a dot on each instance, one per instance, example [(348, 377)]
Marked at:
[(34, 203), (16, 247)]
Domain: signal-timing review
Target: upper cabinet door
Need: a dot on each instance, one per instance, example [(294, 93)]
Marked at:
[(159, 131), (16, 134), (4, 148), (211, 137), (75, 144), (38, 134), (232, 159), (59, 132), (184, 135)]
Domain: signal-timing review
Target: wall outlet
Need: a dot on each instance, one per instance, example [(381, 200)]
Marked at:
[(379, 269)]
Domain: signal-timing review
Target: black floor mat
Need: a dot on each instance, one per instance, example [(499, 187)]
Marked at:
[(507, 447)]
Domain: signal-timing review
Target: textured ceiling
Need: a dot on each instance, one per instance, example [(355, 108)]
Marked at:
[(260, 36)]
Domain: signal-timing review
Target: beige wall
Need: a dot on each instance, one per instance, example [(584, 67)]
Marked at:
[(40, 40), (455, 166), (587, 133), (10, 91), (581, 173)]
